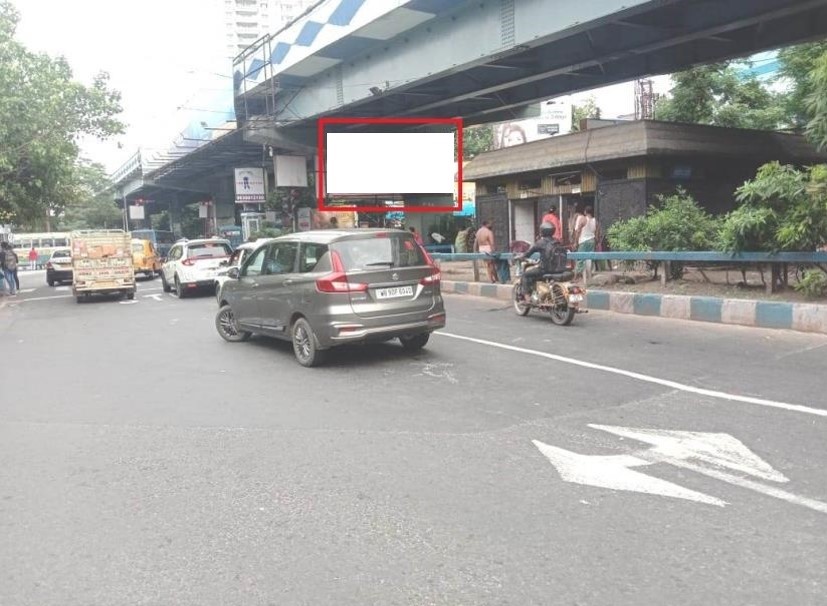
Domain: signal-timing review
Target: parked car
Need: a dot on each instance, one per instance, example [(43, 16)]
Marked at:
[(193, 265), (59, 266), (320, 289), (238, 257), (145, 259)]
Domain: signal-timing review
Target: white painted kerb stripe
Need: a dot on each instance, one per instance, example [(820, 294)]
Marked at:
[(645, 378)]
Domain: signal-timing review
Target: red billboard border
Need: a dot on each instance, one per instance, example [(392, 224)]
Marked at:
[(320, 181)]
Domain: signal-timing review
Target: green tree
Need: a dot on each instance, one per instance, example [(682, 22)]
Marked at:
[(796, 65), (475, 140), (816, 103), (43, 114), (719, 94), (589, 109), (90, 206)]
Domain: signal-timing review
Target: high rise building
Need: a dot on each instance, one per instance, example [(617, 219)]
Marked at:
[(248, 20)]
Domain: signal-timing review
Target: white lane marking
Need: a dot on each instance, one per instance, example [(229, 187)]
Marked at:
[(708, 454), (128, 302), (613, 472), (23, 291), (44, 298), (642, 377), (155, 297), (62, 288)]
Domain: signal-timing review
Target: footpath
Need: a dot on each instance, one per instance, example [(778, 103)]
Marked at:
[(804, 317)]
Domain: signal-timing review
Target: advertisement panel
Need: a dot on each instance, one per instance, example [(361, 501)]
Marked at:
[(554, 119), (249, 186)]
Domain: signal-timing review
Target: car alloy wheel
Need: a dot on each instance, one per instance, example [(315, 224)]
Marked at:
[(304, 344), (227, 326)]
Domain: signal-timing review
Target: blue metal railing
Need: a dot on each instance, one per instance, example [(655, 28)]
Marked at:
[(661, 256)]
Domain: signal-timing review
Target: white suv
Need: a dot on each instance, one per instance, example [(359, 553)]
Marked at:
[(240, 254), (193, 265)]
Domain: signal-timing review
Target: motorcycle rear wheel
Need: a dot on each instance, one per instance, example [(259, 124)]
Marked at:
[(521, 308), (561, 312)]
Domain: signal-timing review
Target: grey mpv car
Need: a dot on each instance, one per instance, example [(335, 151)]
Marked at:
[(320, 289)]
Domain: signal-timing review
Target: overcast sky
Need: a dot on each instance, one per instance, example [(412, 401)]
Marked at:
[(165, 57), (159, 53)]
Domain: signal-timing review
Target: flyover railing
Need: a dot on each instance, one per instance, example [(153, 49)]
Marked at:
[(665, 259)]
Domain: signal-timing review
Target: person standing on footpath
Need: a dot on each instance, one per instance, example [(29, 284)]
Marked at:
[(485, 244), (33, 259), (551, 217), (585, 236), (8, 264)]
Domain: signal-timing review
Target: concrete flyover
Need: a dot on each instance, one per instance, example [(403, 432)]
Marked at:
[(487, 60)]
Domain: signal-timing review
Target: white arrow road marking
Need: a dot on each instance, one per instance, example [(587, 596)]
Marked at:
[(717, 449), (645, 378), (709, 454), (770, 491), (613, 472), (685, 449), (156, 297)]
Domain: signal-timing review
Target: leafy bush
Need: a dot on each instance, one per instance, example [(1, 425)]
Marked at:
[(813, 285), (676, 223), (782, 209), (749, 229)]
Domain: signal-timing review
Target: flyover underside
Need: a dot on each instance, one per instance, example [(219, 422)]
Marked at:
[(457, 65)]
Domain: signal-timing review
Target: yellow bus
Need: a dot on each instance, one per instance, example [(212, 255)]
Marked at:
[(44, 243)]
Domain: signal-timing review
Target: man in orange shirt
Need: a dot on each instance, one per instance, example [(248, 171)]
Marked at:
[(551, 217)]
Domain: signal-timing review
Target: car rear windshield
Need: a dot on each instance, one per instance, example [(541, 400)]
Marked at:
[(395, 250), (209, 251), (61, 254)]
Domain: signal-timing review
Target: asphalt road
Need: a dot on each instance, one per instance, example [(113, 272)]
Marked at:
[(143, 460)]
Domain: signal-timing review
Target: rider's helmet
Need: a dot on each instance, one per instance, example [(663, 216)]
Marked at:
[(547, 230)]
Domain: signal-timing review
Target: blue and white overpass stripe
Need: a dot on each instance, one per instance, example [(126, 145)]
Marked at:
[(332, 32)]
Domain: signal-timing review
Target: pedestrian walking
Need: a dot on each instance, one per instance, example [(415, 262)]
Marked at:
[(33, 259)]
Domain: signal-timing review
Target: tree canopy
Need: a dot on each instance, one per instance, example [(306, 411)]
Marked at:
[(721, 94), (43, 114)]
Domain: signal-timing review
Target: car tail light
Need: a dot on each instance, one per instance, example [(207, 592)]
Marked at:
[(49, 265), (436, 274), (188, 262), (434, 278), (336, 281)]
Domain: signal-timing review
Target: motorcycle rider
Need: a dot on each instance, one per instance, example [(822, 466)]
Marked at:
[(552, 259)]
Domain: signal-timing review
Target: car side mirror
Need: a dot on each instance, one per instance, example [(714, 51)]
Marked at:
[(234, 273)]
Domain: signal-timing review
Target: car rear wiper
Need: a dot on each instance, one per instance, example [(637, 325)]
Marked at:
[(386, 263)]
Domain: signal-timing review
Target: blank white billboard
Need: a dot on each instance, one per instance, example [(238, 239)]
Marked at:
[(382, 163)]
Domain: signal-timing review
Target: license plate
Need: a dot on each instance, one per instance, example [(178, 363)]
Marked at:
[(575, 298), (393, 293)]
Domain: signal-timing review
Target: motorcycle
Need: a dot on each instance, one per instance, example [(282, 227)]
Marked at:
[(552, 293)]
